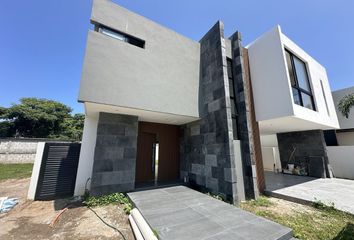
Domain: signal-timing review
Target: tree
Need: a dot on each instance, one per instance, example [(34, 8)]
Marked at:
[(73, 126), (345, 104), (40, 118)]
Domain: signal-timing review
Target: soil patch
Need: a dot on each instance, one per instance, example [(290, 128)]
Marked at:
[(31, 219)]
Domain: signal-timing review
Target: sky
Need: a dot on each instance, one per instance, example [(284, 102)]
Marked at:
[(42, 42)]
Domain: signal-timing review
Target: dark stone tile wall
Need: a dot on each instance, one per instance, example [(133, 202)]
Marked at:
[(245, 118), (310, 147), (115, 154), (207, 154)]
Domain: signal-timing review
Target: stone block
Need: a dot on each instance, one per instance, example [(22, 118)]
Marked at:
[(195, 130), (117, 177), (110, 129), (107, 189), (211, 160), (214, 105), (131, 131), (212, 184), (207, 171), (124, 164), (230, 175), (130, 152), (105, 165), (108, 152), (197, 169)]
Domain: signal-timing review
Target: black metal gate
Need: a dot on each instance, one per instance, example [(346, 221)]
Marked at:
[(58, 170)]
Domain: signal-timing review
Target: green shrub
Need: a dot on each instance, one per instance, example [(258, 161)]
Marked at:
[(322, 206), (216, 196), (109, 199), (261, 202)]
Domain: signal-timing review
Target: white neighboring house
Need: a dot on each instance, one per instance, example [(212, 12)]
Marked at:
[(286, 101), (345, 135), (341, 142), (292, 96)]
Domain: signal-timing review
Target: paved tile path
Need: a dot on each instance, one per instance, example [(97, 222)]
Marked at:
[(307, 189), (182, 213)]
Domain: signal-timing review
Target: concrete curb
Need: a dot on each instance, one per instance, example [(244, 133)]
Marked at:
[(142, 225), (135, 228)]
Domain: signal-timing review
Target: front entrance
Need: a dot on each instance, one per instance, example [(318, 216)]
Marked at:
[(158, 153)]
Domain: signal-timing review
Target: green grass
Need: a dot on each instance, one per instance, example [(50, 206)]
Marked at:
[(15, 171), (260, 202), (109, 199), (318, 223)]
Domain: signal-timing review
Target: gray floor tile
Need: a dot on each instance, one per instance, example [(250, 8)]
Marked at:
[(181, 213)]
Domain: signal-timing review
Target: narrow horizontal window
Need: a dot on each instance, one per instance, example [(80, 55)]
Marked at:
[(112, 34), (120, 36)]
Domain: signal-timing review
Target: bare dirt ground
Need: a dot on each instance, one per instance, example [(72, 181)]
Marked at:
[(281, 206), (31, 219)]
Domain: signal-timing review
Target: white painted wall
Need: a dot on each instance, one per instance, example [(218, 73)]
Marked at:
[(341, 159), (88, 144), (269, 77), (272, 89), (270, 152), (345, 138), (271, 159), (269, 140), (35, 171), (344, 122), (317, 74)]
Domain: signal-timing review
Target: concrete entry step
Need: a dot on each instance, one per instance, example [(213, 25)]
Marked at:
[(182, 213)]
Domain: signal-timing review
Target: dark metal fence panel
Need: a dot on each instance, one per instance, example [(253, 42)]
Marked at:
[(58, 170)]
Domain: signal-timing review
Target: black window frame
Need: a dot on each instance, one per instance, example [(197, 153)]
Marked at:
[(297, 87), (127, 38)]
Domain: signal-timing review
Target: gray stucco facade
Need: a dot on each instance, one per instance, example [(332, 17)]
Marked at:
[(160, 73)]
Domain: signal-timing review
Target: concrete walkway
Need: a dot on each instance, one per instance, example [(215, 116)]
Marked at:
[(182, 213), (307, 189)]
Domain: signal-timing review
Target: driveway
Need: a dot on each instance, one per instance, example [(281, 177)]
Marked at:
[(182, 213), (302, 189)]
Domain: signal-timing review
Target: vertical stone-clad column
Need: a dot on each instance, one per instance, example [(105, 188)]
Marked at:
[(246, 119), (115, 154), (207, 150)]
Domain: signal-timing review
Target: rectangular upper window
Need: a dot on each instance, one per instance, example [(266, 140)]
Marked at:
[(120, 36), (299, 80)]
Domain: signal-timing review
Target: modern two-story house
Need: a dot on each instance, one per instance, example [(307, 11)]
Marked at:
[(162, 108)]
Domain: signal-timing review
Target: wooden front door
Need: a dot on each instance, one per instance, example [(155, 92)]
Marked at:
[(145, 164), (167, 136)]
